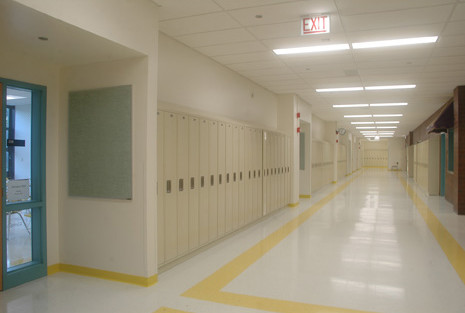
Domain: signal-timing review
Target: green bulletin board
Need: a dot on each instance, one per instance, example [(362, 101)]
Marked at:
[(100, 143)]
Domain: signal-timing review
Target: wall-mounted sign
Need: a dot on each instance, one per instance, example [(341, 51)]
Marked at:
[(315, 25), (17, 190)]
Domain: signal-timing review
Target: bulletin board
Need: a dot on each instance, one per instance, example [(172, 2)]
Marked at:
[(100, 143)]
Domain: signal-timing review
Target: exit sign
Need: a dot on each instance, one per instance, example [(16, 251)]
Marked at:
[(315, 25)]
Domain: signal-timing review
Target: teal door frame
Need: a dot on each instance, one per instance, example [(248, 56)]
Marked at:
[(37, 268), (442, 190)]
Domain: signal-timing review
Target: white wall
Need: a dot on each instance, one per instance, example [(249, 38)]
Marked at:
[(189, 79), (397, 153), (22, 67)]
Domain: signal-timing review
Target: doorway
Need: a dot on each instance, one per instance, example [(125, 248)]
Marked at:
[(442, 189), (23, 179)]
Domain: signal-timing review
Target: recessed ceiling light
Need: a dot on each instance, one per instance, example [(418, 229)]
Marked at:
[(360, 123), (340, 89), (390, 87), (349, 105), (11, 97), (312, 49), (365, 127), (388, 104), (388, 122), (386, 127), (363, 115), (387, 115), (395, 42)]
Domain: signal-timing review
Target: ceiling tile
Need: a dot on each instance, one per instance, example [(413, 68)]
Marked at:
[(451, 41), (198, 24), (459, 12), (233, 48), (396, 32), (351, 7), (397, 19), (246, 57), (454, 28), (259, 65), (170, 9), (449, 51), (239, 4), (293, 42), (281, 13), (216, 38)]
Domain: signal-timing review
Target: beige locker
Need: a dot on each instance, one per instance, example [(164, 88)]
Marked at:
[(194, 160), (274, 180), (254, 173), (160, 189), (241, 177), (203, 184), (170, 186), (260, 172), (235, 178), (265, 176), (281, 171), (248, 175), (182, 169), (221, 178), (228, 178), (213, 181), (287, 181)]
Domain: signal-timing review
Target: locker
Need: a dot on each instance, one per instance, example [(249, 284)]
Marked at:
[(274, 187), (241, 177), (203, 171), (193, 182), (221, 178), (260, 172), (182, 169), (170, 186), (228, 178), (281, 171), (213, 181), (235, 178), (265, 177), (160, 189), (248, 175), (253, 146)]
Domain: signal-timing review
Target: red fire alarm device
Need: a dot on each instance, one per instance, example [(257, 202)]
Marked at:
[(298, 114), (298, 129)]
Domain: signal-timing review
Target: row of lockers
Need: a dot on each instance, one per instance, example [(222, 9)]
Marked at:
[(375, 158), (213, 178), (322, 164)]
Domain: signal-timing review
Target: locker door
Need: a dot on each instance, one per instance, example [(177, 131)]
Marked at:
[(275, 170), (260, 171), (265, 178), (160, 189), (241, 176), (235, 178), (247, 176), (203, 183), (221, 178), (194, 162), (288, 171), (182, 158), (228, 178), (170, 186), (213, 181), (268, 171), (253, 158), (281, 171)]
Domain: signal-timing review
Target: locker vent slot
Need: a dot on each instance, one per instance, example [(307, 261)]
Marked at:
[(258, 173), (240, 176), (249, 174), (220, 179), (202, 181), (212, 180), (234, 176), (181, 184), (227, 178), (168, 186), (254, 174), (192, 183)]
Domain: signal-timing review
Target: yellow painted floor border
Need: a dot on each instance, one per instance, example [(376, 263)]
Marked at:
[(168, 310), (452, 249), (210, 288), (114, 276)]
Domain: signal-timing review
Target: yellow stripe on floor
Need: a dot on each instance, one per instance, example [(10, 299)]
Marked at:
[(210, 288), (452, 249)]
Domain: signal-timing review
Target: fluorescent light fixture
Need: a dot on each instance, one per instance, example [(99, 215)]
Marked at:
[(366, 127), (388, 122), (11, 97), (387, 115), (387, 104), (340, 89), (349, 105), (312, 49), (363, 115), (395, 42), (361, 123), (390, 87), (386, 127)]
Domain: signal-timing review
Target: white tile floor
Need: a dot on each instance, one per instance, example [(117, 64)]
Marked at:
[(368, 249)]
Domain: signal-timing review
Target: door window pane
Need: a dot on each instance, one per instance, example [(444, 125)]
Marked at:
[(18, 237)]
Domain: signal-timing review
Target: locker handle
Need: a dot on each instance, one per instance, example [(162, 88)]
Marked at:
[(258, 173), (240, 176), (192, 183), (181, 184), (249, 174), (212, 180), (202, 181), (234, 176), (227, 178), (168, 186), (254, 174), (220, 180)]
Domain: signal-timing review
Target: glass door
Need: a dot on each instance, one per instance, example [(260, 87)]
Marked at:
[(23, 172)]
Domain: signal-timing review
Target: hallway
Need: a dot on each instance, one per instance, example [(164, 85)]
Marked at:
[(361, 245)]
